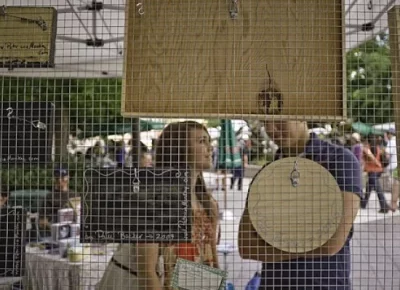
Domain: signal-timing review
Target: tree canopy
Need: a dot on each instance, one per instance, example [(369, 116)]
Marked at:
[(369, 94), (87, 101)]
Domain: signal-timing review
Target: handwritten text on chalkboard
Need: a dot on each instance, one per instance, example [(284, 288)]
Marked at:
[(136, 205), (12, 248), (26, 132)]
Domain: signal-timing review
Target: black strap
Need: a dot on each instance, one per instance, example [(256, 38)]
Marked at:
[(123, 267)]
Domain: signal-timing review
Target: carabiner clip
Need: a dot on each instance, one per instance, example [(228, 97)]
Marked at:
[(234, 10)]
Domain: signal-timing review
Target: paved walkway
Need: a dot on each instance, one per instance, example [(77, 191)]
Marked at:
[(375, 245)]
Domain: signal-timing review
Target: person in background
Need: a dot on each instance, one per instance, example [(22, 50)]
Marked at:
[(138, 266), (145, 159), (391, 169), (327, 267), (357, 147), (238, 173), (214, 157), (120, 154), (93, 154), (107, 161), (374, 169), (153, 148), (3, 198), (219, 170), (57, 199)]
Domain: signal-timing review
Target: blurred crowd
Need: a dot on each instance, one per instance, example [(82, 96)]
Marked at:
[(377, 156), (118, 154)]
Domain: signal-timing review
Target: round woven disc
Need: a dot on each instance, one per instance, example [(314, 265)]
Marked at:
[(295, 219)]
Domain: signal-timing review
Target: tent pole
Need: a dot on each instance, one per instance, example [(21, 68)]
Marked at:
[(225, 185), (136, 142)]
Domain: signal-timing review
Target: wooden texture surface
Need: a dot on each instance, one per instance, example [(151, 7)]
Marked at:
[(394, 39), (189, 58), (27, 36), (295, 219)]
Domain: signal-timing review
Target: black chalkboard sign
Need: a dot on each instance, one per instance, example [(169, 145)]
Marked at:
[(12, 247), (136, 205), (26, 132)]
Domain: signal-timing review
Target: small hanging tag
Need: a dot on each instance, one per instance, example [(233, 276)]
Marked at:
[(190, 275), (234, 10), (295, 175), (136, 181)]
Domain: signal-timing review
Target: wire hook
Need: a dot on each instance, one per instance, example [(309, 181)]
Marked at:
[(140, 8), (295, 175), (369, 5)]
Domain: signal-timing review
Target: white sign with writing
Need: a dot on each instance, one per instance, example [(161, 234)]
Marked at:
[(195, 276), (27, 36)]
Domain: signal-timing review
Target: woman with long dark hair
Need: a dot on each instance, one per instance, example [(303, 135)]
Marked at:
[(183, 145)]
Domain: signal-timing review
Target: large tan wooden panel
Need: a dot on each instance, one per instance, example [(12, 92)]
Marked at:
[(394, 39), (190, 58)]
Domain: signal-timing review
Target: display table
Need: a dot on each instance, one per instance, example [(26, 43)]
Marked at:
[(45, 271), (7, 283)]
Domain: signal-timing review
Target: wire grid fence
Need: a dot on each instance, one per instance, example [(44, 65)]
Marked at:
[(102, 189)]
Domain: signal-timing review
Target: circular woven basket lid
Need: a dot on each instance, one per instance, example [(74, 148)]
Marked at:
[(295, 218)]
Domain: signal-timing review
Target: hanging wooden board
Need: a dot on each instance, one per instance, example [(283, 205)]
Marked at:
[(28, 36), (394, 39), (275, 58)]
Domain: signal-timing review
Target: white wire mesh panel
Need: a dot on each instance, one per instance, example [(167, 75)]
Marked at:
[(139, 151)]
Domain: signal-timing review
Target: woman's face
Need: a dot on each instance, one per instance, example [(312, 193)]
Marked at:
[(200, 151), (146, 160), (3, 200)]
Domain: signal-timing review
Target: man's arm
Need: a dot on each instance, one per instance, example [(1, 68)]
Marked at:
[(251, 247), (245, 160)]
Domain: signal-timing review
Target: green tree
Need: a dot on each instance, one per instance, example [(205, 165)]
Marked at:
[(213, 123), (93, 102), (369, 82), (79, 104), (55, 91)]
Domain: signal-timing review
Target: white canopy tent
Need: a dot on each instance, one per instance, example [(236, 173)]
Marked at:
[(78, 21), (385, 126), (365, 18)]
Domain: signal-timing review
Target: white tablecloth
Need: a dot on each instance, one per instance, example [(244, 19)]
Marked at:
[(51, 272), (6, 283)]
